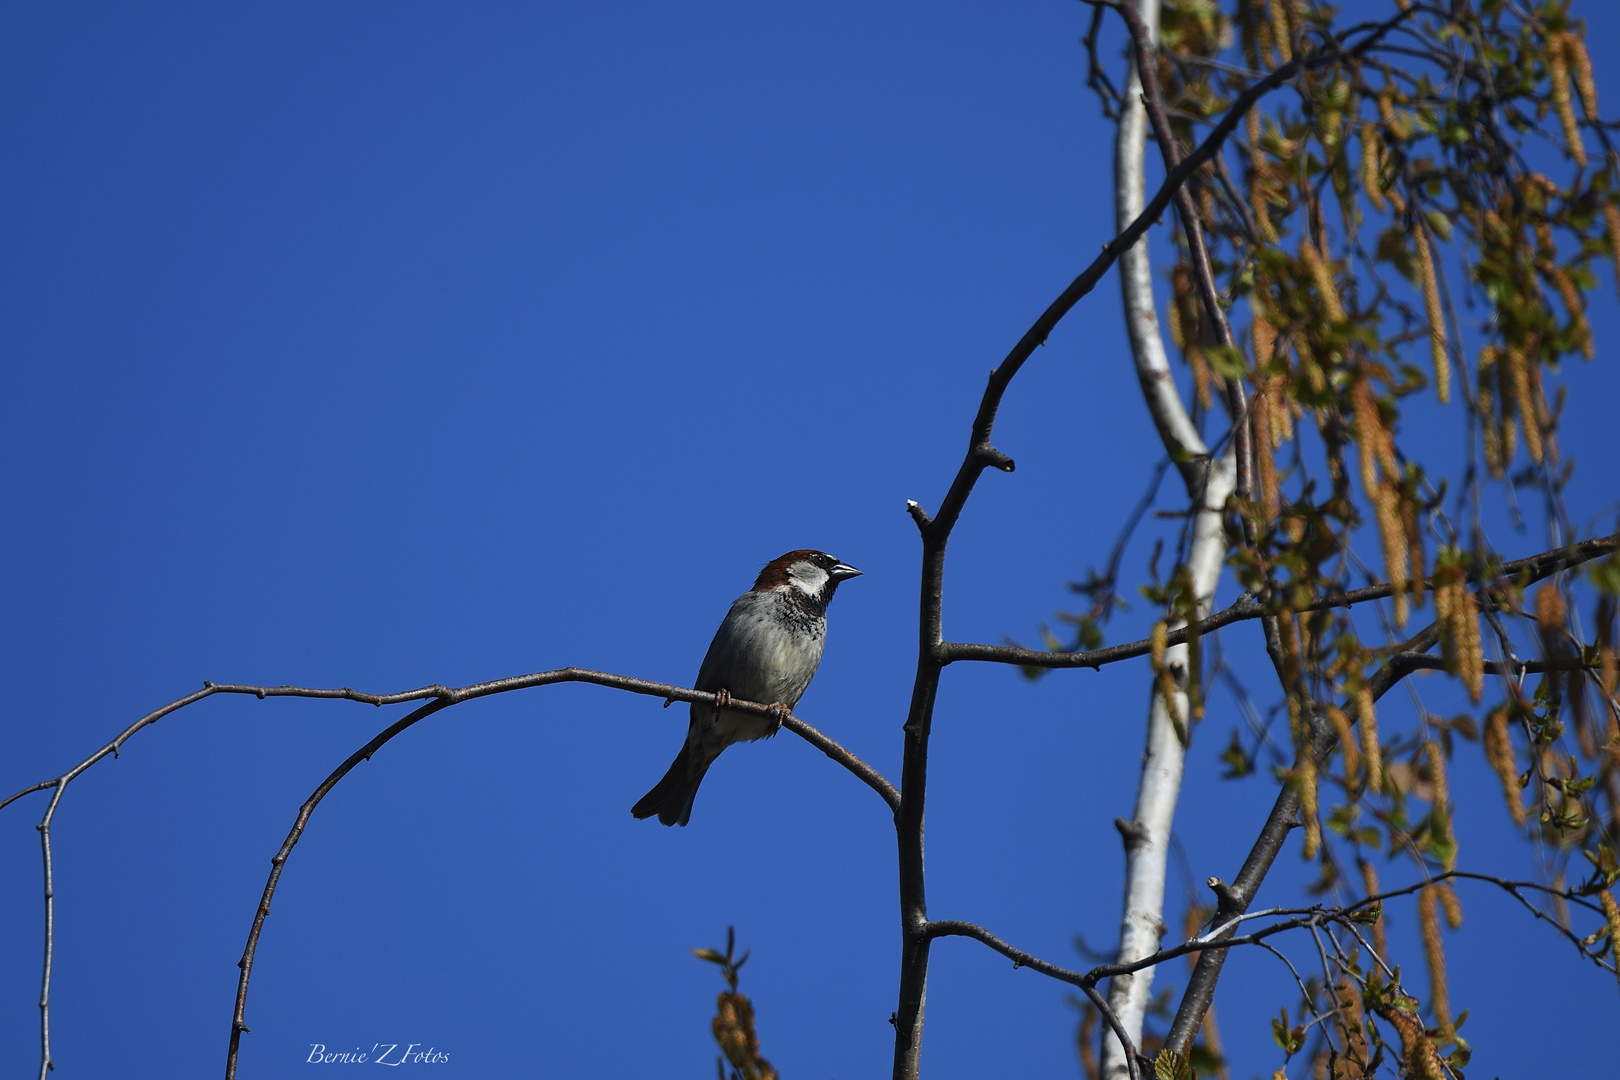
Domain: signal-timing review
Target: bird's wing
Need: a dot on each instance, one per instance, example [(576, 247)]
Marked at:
[(717, 669)]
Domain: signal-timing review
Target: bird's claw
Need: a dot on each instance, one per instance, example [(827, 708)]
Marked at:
[(722, 699), (778, 716)]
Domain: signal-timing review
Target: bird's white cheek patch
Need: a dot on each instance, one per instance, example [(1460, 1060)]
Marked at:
[(808, 578)]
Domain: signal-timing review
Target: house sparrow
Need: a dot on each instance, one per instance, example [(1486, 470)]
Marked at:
[(766, 650)]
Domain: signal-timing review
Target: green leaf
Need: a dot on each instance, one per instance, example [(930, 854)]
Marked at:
[(1369, 915), (1237, 762), (1291, 1039), (1440, 224), (1228, 360), (1606, 575), (1169, 1065)]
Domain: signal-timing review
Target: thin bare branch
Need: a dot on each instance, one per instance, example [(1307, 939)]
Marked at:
[(441, 697), (1020, 958), (1535, 566), (1234, 899)]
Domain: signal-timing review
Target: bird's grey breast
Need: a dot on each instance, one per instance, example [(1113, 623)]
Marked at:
[(767, 649)]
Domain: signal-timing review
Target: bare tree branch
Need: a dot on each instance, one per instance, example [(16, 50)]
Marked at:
[(44, 827), (441, 697), (933, 652), (1020, 958), (1535, 566), (1404, 663), (279, 861), (1234, 899), (1316, 916)]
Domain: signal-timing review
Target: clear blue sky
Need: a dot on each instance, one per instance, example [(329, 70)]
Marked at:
[(380, 345)]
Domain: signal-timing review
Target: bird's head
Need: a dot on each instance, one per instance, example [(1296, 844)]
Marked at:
[(812, 574)]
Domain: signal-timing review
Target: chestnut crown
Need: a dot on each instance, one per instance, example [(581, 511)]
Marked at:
[(814, 574)]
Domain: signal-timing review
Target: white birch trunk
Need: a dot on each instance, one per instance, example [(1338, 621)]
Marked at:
[(1147, 840)]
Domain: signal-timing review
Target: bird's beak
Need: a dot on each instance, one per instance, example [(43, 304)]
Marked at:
[(843, 572)]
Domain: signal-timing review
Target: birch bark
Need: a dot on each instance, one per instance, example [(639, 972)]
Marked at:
[(1147, 834)]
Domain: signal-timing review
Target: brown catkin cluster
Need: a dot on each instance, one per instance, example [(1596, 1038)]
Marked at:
[(1308, 806), (1518, 378), (1414, 550), (1257, 187), (1558, 73), (1441, 802), (1281, 34), (1369, 882), (1288, 639), (1371, 752), (1550, 612), (1571, 296), (1374, 443), (1611, 915), (1434, 954), (1380, 477), (1164, 679), (1394, 127), (1495, 411), (1580, 63), (1499, 752), (734, 1030), (1608, 665), (1418, 1055), (1611, 218), (1322, 277), (1372, 166), (1347, 744), (1452, 905), (1186, 330), (1386, 502), (1265, 460), (1357, 1055), (1430, 281), (1457, 613), (1279, 416)]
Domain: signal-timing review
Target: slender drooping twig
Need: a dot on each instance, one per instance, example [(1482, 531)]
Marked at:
[(1292, 919), (279, 862), (1235, 898), (439, 697), (1221, 936)]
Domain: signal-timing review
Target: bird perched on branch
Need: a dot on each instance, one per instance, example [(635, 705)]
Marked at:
[(767, 650)]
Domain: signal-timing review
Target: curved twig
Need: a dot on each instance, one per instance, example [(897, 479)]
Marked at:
[(1298, 918), (238, 1024), (441, 697), (669, 691), (868, 775), (1020, 958)]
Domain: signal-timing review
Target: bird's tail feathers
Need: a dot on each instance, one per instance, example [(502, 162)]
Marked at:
[(671, 798)]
